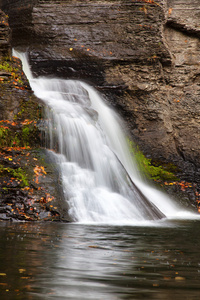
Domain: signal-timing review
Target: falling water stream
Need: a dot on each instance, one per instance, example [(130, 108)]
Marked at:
[(99, 177)]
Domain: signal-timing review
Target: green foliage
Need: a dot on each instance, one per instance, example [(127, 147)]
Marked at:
[(9, 137), (5, 136), (5, 66), (148, 169), (18, 174), (26, 134), (18, 134), (29, 110)]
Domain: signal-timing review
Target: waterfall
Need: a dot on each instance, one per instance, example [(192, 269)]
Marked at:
[(99, 178)]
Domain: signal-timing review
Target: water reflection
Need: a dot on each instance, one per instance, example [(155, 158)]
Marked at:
[(71, 261)]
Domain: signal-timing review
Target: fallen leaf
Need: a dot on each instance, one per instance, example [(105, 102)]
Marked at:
[(170, 11), (179, 278)]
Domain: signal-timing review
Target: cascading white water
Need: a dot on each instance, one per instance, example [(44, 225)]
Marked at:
[(99, 177)]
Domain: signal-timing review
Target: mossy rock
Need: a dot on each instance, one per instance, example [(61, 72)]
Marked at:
[(150, 169)]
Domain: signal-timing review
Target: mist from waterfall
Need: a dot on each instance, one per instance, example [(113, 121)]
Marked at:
[(100, 179)]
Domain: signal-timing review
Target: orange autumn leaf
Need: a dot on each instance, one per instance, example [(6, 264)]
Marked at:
[(43, 170), (170, 11)]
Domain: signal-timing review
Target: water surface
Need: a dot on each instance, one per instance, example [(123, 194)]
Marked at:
[(76, 261)]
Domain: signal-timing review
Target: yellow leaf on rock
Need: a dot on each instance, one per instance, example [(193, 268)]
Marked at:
[(22, 270), (179, 278)]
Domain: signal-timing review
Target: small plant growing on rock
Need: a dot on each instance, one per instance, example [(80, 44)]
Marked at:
[(147, 168)]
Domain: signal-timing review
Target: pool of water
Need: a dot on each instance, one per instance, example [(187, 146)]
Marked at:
[(98, 262)]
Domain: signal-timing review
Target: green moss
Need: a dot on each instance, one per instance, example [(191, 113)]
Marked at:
[(20, 136), (9, 137), (5, 66), (28, 135), (19, 114), (14, 72), (5, 136), (29, 110), (25, 134), (18, 174), (153, 172), (21, 176)]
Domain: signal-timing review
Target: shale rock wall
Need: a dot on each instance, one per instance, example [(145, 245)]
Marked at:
[(143, 55), (29, 187), (5, 48)]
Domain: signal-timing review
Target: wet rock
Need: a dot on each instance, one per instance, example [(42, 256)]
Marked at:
[(19, 201), (5, 37)]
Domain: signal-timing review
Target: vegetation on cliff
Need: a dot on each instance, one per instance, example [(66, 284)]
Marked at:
[(166, 177), (25, 177), (150, 170)]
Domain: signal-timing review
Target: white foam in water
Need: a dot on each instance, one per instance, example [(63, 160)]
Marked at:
[(93, 155)]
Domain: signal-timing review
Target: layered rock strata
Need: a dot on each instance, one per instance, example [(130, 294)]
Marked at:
[(29, 190)]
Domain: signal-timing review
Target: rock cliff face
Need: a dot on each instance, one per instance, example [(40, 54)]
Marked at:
[(144, 55), (28, 187), (4, 36)]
